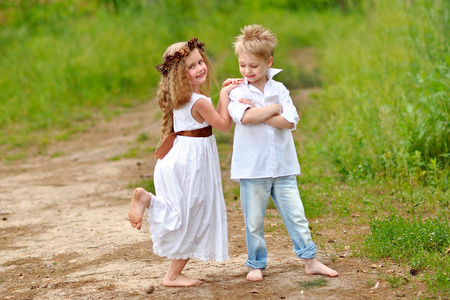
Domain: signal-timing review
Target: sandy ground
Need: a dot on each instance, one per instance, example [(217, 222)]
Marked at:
[(64, 233)]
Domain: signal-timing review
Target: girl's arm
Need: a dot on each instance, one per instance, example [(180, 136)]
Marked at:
[(218, 118)]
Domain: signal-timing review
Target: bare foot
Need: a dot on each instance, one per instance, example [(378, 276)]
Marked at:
[(315, 267), (181, 280), (255, 275), (139, 202)]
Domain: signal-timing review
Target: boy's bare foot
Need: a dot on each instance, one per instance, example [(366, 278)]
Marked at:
[(181, 280), (139, 202), (315, 267), (255, 275)]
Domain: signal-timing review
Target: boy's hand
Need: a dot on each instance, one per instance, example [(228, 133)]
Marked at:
[(276, 108), (247, 101)]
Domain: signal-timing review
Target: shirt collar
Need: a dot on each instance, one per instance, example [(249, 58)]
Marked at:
[(271, 72)]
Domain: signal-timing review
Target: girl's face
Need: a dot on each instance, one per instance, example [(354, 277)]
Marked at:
[(254, 68), (196, 68)]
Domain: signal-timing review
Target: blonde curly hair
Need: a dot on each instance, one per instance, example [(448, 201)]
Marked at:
[(175, 88)]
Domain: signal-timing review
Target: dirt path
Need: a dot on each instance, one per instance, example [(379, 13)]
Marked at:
[(66, 234)]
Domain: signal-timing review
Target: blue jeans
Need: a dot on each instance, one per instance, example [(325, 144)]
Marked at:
[(255, 195)]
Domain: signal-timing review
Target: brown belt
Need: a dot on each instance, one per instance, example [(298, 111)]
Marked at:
[(168, 142)]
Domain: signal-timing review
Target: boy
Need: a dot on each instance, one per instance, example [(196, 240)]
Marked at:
[(264, 158)]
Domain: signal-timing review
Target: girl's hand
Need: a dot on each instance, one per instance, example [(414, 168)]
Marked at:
[(247, 101), (232, 81), (230, 84)]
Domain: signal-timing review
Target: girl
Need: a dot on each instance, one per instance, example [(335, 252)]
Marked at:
[(187, 216)]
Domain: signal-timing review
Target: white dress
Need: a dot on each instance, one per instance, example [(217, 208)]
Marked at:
[(188, 216)]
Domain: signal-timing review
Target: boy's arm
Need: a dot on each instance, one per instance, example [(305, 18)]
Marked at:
[(260, 114), (278, 121), (288, 119)]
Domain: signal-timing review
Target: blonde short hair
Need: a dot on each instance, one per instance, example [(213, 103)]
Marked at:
[(256, 40)]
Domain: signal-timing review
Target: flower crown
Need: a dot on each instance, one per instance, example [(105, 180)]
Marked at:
[(177, 56)]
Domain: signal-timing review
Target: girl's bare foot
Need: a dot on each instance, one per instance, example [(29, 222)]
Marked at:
[(255, 275), (315, 267), (139, 202), (180, 280)]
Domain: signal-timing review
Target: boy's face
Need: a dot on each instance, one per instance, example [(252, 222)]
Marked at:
[(254, 67)]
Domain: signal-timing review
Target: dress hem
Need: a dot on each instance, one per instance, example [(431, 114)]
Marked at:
[(192, 255)]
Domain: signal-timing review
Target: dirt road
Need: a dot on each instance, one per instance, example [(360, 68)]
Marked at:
[(64, 232)]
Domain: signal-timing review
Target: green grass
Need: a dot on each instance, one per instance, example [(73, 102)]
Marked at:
[(312, 283), (423, 244), (146, 183), (66, 64), (386, 96), (373, 143)]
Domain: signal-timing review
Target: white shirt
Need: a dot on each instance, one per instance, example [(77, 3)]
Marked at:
[(260, 150)]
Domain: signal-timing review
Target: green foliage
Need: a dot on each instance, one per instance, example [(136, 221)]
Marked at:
[(422, 244), (65, 63), (60, 72), (400, 238), (387, 96)]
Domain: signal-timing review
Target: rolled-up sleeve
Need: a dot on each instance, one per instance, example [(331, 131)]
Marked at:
[(235, 108), (289, 109)]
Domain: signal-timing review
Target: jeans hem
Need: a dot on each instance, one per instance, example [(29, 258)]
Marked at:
[(307, 252), (251, 265)]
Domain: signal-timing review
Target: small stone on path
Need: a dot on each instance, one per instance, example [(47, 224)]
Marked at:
[(149, 289)]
